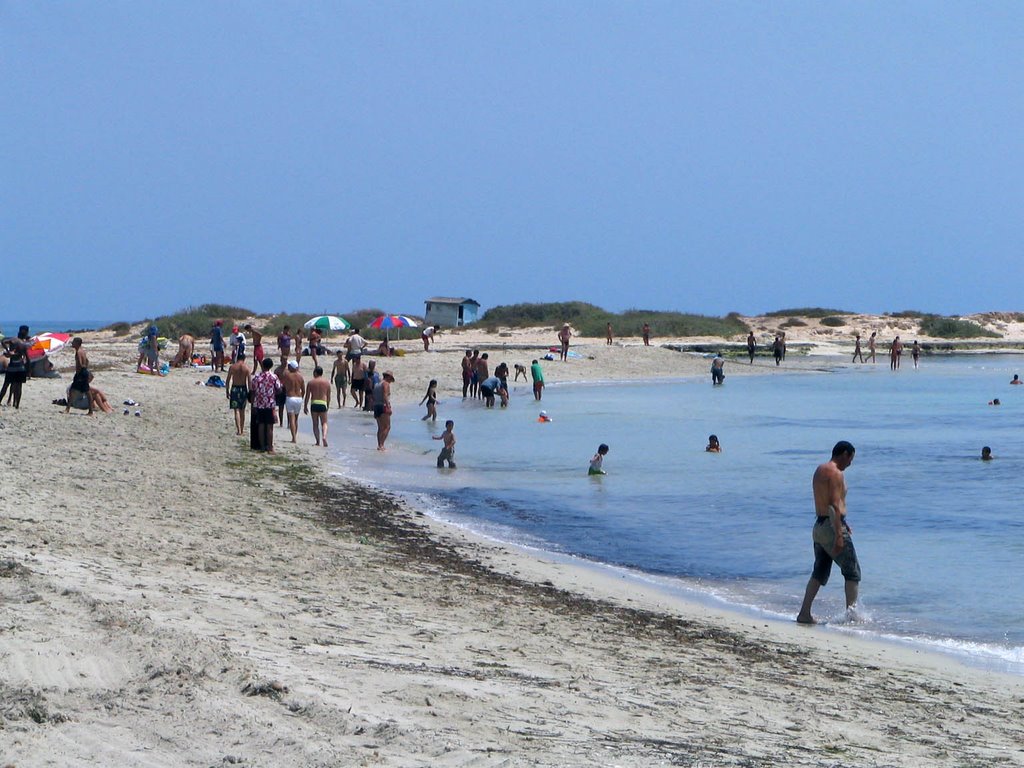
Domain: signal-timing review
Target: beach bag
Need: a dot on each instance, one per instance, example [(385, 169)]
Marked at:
[(214, 381)]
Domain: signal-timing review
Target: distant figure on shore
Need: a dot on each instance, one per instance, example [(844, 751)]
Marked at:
[(986, 454), (520, 371), (265, 386), (370, 382), (857, 351), (563, 338), (538, 380), (186, 345), (713, 445), (237, 386), (778, 347), (895, 350), (782, 336), (316, 403), (316, 347), (467, 372), (645, 332), (832, 536), (488, 388), (474, 377), (915, 352), (257, 344), (608, 334), (284, 343), (354, 345), (427, 336), (295, 392), (597, 462), (382, 408), (1016, 379), (358, 380), (871, 346), (751, 346), (482, 373), (80, 383), (339, 375), (152, 350), (430, 398), (718, 370), (16, 372), (447, 453), (297, 342), (217, 345), (237, 344)]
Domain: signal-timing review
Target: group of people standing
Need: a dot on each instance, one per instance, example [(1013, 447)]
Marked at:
[(276, 393), (895, 351)]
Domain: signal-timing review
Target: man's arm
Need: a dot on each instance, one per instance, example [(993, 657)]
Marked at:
[(837, 507)]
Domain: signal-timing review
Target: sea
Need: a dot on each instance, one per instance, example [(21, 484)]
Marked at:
[(10, 327), (939, 533)]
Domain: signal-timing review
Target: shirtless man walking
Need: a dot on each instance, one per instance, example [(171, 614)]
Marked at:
[(563, 338), (833, 539), (294, 389), (318, 395)]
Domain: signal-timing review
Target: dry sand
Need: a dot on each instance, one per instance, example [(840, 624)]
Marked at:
[(170, 599)]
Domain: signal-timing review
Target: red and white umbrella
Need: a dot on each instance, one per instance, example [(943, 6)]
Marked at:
[(387, 322), (45, 344)]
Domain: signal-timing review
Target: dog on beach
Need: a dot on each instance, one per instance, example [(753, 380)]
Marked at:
[(521, 369)]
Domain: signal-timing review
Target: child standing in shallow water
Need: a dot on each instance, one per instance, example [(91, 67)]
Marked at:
[(431, 400), (448, 451), (597, 463)]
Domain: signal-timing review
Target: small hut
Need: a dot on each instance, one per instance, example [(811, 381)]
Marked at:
[(450, 312)]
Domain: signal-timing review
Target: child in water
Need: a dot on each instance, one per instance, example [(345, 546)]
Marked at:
[(713, 444), (596, 463), (986, 454), (431, 400), (448, 451)]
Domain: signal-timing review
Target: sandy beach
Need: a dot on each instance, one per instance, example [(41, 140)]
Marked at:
[(171, 598)]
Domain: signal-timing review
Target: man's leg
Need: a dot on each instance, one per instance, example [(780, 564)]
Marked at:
[(813, 585), (316, 428)]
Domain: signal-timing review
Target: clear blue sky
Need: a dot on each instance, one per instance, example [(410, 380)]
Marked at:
[(697, 156)]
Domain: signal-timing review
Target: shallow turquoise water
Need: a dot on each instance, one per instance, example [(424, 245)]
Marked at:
[(938, 531)]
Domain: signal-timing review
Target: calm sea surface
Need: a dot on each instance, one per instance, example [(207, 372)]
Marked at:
[(939, 533)]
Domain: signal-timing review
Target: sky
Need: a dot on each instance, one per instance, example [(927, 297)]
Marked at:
[(696, 156)]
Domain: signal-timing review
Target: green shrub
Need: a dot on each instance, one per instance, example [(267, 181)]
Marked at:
[(118, 329), (591, 320), (198, 320), (832, 321), (909, 313), (807, 312), (793, 322), (951, 328)]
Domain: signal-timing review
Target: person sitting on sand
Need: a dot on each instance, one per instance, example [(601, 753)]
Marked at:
[(597, 462), (713, 445), (384, 349), (986, 454), (1016, 379)]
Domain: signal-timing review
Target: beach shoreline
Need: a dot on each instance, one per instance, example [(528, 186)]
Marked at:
[(173, 598)]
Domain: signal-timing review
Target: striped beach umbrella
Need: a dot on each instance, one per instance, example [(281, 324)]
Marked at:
[(327, 323), (45, 344), (385, 322)]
